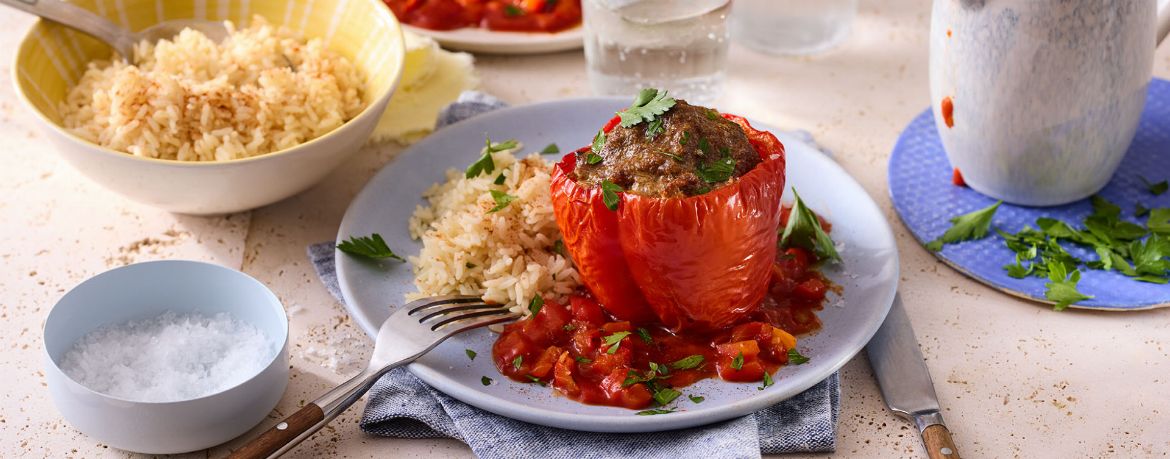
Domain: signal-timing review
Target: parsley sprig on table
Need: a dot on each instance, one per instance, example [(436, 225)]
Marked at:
[(646, 107), (372, 247)]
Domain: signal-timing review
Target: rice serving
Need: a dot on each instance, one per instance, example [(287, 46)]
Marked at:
[(508, 256), (261, 90)]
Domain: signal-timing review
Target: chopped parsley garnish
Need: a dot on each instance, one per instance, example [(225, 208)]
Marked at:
[(1062, 287), (1139, 210), (804, 230), (534, 379), (502, 200), (470, 354), (687, 363), (550, 149), (654, 128), (646, 107), (966, 227), (654, 411), (666, 395), (559, 247), (569, 327), (1159, 221), (372, 247), (516, 362), (717, 171), (593, 158), (704, 146), (609, 195), (686, 137), (795, 358), (1155, 189), (767, 381), (499, 179), (469, 265), (737, 362), (583, 359), (485, 381), (535, 305), (614, 341), (598, 143), (672, 156), (512, 10), (485, 164), (712, 114), (697, 398), (645, 335)]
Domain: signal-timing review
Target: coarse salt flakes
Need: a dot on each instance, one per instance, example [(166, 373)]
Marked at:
[(169, 358)]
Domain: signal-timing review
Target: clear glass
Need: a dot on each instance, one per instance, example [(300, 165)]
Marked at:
[(793, 27), (678, 45)]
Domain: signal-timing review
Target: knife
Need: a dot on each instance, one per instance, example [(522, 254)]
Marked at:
[(905, 382)]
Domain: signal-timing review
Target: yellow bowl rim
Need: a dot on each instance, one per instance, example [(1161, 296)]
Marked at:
[(383, 11)]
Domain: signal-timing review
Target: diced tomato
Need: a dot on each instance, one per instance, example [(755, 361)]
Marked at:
[(586, 340), (605, 362), (586, 310), (563, 375), (634, 396), (544, 364), (811, 289), (548, 324), (781, 342), (750, 369), (507, 348), (758, 331), (614, 327)]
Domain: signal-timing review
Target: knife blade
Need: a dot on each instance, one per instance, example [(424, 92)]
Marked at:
[(905, 381)]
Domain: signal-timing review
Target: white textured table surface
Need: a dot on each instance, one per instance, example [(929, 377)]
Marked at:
[(1014, 378)]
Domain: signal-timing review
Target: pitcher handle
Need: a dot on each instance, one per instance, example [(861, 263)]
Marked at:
[(1163, 20)]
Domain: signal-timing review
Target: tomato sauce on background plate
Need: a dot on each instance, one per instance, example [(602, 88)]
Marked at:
[(499, 15)]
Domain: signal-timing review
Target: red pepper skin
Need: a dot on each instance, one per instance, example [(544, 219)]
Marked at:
[(694, 263)]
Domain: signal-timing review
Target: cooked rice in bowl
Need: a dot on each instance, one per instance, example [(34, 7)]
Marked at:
[(262, 89), (508, 256)]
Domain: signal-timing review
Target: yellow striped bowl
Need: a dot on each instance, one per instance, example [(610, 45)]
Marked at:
[(52, 58)]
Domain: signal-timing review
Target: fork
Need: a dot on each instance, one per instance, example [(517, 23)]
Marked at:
[(404, 337)]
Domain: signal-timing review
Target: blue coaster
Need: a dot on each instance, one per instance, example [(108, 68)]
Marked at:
[(925, 199)]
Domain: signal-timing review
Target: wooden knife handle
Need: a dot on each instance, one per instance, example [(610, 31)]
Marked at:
[(281, 434), (939, 445)]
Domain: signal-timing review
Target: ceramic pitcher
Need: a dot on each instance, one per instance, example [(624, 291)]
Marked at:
[(1036, 101)]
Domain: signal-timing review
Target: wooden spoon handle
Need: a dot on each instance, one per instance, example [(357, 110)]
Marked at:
[(281, 434), (938, 442)]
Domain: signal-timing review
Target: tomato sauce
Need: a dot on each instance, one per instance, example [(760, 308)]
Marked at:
[(588, 356), (501, 15)]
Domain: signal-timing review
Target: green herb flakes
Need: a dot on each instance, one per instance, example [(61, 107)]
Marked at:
[(666, 395), (550, 149), (609, 195), (614, 341), (767, 381), (718, 171), (737, 362), (696, 398), (704, 146), (593, 158), (500, 179), (569, 327), (502, 200), (966, 227), (645, 335), (648, 105), (511, 10), (485, 381), (470, 354), (672, 156), (1155, 189), (795, 358), (583, 359), (535, 305), (654, 128), (686, 138), (372, 247), (598, 143), (804, 230), (485, 164), (516, 362), (1062, 287), (653, 412), (687, 363)]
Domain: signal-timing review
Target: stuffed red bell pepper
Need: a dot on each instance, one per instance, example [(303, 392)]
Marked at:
[(671, 215)]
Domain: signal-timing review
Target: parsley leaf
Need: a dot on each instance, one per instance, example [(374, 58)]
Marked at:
[(598, 142), (485, 164), (804, 230), (687, 363), (609, 195), (970, 226), (672, 156), (516, 362), (485, 381), (1139, 210), (666, 395), (1159, 221), (718, 171), (1155, 189), (645, 335), (767, 381), (559, 247), (686, 137), (535, 305), (795, 357), (737, 362), (654, 128), (511, 10), (653, 412), (614, 341), (569, 327), (502, 200), (500, 179), (583, 359), (1062, 287), (696, 398), (550, 149), (712, 114), (470, 354), (372, 247), (593, 158), (648, 105), (704, 146), (534, 379)]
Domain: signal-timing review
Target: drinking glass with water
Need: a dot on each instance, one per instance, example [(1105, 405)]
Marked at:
[(678, 45)]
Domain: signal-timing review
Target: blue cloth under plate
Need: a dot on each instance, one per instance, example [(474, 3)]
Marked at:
[(925, 199), (402, 406)]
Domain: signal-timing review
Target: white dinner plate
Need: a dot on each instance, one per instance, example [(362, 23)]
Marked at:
[(480, 40), (869, 273)]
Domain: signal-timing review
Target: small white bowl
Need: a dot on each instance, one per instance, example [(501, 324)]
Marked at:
[(143, 291)]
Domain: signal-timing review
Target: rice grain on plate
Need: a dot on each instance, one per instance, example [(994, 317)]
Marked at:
[(261, 90), (507, 256)]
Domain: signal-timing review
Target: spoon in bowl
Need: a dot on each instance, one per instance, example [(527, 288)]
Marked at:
[(120, 39)]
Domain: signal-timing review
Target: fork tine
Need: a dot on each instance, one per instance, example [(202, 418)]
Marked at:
[(436, 301), (465, 326), (453, 309), (471, 315)]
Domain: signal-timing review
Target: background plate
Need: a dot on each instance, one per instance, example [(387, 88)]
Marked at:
[(920, 186), (480, 40), (869, 275)]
